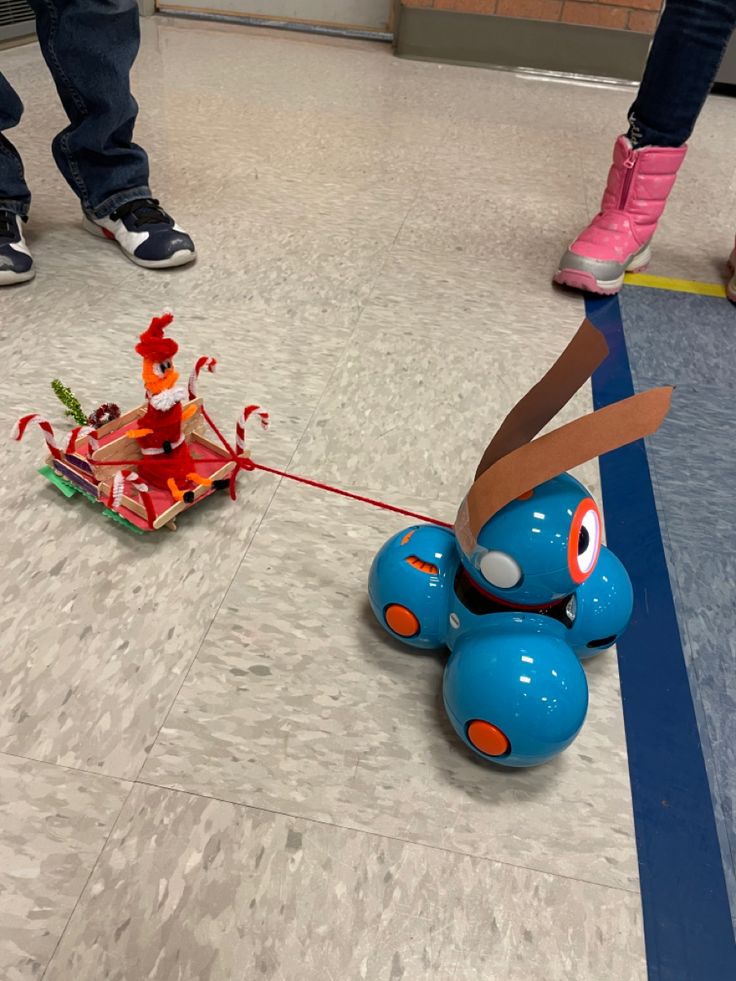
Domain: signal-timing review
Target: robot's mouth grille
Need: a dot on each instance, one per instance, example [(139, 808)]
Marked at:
[(480, 603), (428, 568)]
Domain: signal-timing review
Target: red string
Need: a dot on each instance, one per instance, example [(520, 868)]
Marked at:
[(211, 423), (374, 502), (233, 455), (245, 463)]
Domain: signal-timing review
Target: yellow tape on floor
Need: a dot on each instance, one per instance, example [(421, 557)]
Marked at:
[(676, 285)]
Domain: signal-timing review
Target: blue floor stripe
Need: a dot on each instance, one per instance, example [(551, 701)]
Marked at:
[(687, 923)]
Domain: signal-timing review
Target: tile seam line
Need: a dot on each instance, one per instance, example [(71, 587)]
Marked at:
[(338, 362), (666, 284), (65, 766), (208, 628), (396, 242), (699, 287), (128, 288), (141, 781), (87, 881), (383, 837)]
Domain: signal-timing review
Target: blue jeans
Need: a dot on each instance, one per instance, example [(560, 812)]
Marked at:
[(89, 47), (689, 44)]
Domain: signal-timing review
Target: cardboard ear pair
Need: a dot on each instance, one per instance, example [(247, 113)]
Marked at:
[(515, 462)]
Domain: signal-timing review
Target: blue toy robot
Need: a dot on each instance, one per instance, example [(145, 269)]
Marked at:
[(521, 590)]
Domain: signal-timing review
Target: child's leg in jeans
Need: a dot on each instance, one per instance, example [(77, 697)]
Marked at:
[(89, 47), (14, 194), (686, 54), (16, 263)]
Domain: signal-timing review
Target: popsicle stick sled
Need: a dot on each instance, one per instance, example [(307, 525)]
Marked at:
[(152, 463)]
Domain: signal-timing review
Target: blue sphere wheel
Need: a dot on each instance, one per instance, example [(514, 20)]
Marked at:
[(514, 691), (603, 607), (410, 585)]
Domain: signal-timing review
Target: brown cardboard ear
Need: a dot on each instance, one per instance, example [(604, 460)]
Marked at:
[(531, 414), (530, 465)]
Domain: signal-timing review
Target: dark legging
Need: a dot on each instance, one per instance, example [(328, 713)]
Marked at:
[(688, 48)]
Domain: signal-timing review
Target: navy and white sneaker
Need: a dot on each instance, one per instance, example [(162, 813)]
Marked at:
[(145, 233), (16, 261)]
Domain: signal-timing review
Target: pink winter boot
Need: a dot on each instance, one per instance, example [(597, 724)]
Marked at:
[(617, 240)]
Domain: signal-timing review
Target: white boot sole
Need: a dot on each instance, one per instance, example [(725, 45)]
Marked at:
[(580, 279)]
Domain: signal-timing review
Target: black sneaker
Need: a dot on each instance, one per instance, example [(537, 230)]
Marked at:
[(16, 261), (145, 233)]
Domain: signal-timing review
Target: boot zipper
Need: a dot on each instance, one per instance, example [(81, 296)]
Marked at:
[(629, 164)]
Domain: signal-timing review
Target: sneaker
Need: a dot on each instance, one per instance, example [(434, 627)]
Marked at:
[(16, 261), (145, 233)]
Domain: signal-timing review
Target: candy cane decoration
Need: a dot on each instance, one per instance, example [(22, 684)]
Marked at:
[(117, 489), (46, 429), (78, 434), (208, 364), (240, 428)]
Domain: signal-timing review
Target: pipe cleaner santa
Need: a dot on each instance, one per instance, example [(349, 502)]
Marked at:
[(166, 461)]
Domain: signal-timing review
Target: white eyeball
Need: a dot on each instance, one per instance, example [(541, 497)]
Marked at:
[(591, 541), (500, 570)]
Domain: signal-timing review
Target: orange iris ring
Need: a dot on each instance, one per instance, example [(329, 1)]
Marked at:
[(573, 566)]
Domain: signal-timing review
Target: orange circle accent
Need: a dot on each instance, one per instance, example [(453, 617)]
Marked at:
[(402, 621), (488, 738), (526, 495), (578, 576)]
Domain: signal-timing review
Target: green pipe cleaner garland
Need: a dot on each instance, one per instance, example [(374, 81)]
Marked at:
[(70, 400)]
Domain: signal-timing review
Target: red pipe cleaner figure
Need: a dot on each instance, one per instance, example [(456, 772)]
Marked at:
[(166, 460)]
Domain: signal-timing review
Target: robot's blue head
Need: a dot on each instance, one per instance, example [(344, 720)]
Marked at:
[(538, 548), (533, 549)]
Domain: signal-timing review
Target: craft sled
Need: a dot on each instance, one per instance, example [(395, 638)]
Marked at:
[(84, 467), (100, 464), (102, 455)]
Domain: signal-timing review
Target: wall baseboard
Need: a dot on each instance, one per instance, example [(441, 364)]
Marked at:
[(173, 10), (20, 33), (510, 42)]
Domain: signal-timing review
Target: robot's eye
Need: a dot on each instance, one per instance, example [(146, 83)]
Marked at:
[(585, 540), (500, 570)]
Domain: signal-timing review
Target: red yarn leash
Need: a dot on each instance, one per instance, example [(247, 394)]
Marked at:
[(245, 463), (374, 502)]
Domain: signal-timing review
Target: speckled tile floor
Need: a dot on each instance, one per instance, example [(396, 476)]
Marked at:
[(212, 765)]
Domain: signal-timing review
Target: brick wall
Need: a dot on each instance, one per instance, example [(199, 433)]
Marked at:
[(625, 15)]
